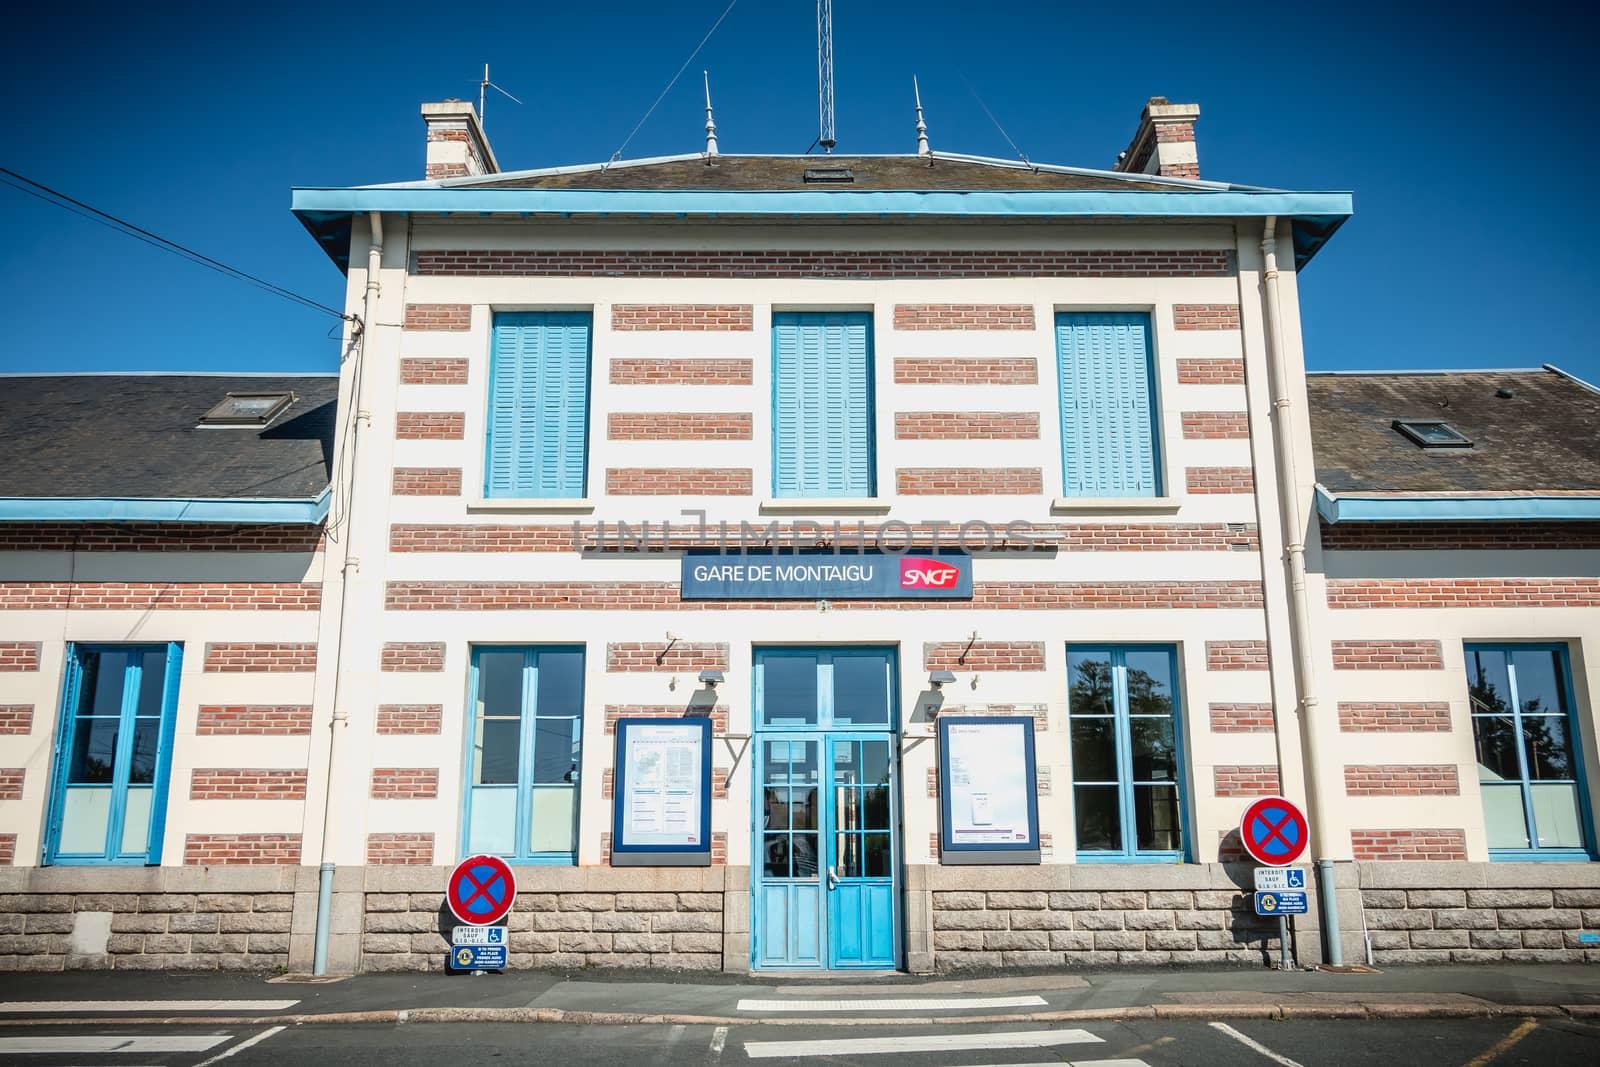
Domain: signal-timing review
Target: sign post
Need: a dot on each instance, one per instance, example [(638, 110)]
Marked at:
[(1275, 833), (480, 893)]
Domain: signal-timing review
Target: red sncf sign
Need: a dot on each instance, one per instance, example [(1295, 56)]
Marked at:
[(928, 574)]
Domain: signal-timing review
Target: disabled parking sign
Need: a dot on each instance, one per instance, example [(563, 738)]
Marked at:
[(481, 890), (1274, 832)]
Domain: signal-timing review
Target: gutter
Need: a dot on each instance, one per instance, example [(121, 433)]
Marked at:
[(1489, 507), (264, 510)]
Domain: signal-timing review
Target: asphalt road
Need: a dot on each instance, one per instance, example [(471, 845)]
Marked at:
[(1155, 1043)]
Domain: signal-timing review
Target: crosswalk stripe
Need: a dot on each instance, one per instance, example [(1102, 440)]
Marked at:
[(868, 1046), (893, 1004), (62, 1046), (55, 1007), (1074, 1063)]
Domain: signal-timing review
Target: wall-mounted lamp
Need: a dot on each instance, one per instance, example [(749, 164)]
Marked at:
[(942, 678), (711, 677)]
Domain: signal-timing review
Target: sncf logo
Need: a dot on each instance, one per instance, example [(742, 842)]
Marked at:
[(928, 574)]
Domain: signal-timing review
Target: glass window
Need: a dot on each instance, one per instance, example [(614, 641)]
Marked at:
[(526, 753), (109, 779), (1522, 731), (1123, 730), (804, 690)]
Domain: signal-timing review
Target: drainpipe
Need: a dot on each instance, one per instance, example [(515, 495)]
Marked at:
[(341, 714), (1294, 538)]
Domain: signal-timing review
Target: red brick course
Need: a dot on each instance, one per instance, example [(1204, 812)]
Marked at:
[(718, 713), (1245, 780), (702, 317), (678, 426), (405, 783), (1464, 593), (427, 481), (454, 318), (247, 783), (156, 537), (1205, 316), (16, 718), (249, 657), (963, 316), (1436, 536), (652, 656), (429, 425), (969, 481), (11, 782), (8, 850), (663, 596), (637, 371), (679, 481), (1427, 717), (226, 850), (433, 370), (1211, 480), (159, 596), (1387, 656), (1242, 719), (983, 656), (266, 719), (965, 370), (1236, 656), (1225, 371), (400, 849), (1409, 844), (412, 657), (790, 263), (1401, 780), (1216, 425), (19, 656), (410, 718), (966, 425)]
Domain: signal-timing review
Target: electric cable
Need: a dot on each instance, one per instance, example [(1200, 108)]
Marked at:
[(623, 147)]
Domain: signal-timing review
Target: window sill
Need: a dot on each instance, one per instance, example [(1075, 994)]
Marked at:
[(572, 505), (1170, 858), (1540, 855), (863, 505), (1076, 504)]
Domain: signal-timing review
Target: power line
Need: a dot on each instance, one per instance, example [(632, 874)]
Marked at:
[(618, 153), (56, 198), (1020, 154)]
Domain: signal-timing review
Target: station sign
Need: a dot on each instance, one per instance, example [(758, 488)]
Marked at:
[(826, 576), (1280, 878), (1281, 903)]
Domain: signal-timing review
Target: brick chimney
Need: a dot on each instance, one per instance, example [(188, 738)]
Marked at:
[(1164, 144), (457, 145)]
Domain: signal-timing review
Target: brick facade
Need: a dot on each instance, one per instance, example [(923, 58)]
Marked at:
[(1210, 480), (1464, 592), (410, 718), (405, 783), (247, 783), (16, 718), (234, 657), (1409, 844), (966, 425), (963, 316), (1387, 656), (426, 481), (682, 372), (400, 850), (1205, 316), (158, 596), (453, 318), (1246, 780), (1390, 718), (983, 656), (699, 317), (1241, 718), (659, 656), (963, 370), (429, 425), (969, 481), (1227, 370), (679, 481), (250, 850), (1401, 780), (19, 655), (263, 719), (412, 656), (433, 370), (1216, 425), (1236, 656), (11, 779), (678, 426), (718, 714)]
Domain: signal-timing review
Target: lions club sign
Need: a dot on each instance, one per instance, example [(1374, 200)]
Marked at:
[(826, 576)]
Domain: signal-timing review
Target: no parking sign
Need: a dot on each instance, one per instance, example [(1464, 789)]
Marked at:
[(481, 890), (1274, 832)]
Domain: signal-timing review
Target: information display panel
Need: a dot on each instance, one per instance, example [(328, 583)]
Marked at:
[(661, 809), (990, 808)]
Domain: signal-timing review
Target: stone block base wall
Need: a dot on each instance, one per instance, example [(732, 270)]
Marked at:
[(1481, 912)]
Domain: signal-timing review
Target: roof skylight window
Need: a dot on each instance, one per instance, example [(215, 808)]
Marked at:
[(247, 409), (1432, 433), (829, 175)]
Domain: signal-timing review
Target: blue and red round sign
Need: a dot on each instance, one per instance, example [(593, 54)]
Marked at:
[(481, 890), (1274, 832)]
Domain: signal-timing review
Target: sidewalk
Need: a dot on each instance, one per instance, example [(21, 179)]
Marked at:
[(651, 997)]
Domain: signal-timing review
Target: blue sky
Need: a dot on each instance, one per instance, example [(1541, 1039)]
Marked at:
[(1462, 132)]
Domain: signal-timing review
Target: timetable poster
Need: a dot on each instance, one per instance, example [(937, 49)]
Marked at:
[(663, 798), (989, 784)]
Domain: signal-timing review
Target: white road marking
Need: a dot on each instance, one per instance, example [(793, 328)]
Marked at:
[(867, 1046), (893, 1004), (66, 1046), (53, 1007), (719, 1038), (1252, 1043), (241, 1046), (1076, 1063)]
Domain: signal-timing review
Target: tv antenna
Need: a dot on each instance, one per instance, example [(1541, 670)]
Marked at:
[(825, 74), (483, 89)]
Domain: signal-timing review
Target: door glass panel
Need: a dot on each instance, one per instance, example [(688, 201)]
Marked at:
[(1488, 683), (1094, 754), (1155, 810), (1149, 683), (152, 680), (874, 762), (499, 754), (560, 683), (775, 808), (142, 765), (1549, 747), (789, 690), (1098, 818), (1504, 821), (103, 677), (847, 856), (1155, 757), (775, 855), (136, 821), (552, 824), (1539, 688), (1555, 815), (500, 683), (85, 815), (1495, 737), (879, 853), (94, 749), (1089, 679), (803, 848), (861, 690), (555, 751), (493, 827), (846, 808), (875, 807), (847, 762), (803, 808)]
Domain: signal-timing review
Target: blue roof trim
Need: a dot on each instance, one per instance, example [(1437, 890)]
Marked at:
[(1334, 509), (127, 509), (327, 212)]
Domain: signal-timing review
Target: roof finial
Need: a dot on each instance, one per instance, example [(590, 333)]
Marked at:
[(711, 126), (922, 127)]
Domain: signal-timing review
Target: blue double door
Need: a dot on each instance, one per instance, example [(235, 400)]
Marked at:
[(825, 880)]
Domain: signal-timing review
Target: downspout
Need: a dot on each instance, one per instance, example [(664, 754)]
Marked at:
[(341, 714), (1294, 538)]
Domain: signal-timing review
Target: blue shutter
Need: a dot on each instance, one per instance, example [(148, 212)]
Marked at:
[(1108, 428), (538, 405), (822, 404), (163, 776)]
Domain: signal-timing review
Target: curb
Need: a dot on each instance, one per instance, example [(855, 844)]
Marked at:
[(1374, 1010)]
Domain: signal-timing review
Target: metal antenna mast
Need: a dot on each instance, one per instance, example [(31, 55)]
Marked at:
[(483, 88), (825, 74)]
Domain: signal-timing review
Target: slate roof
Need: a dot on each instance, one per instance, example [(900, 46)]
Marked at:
[(1545, 437), (135, 436)]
